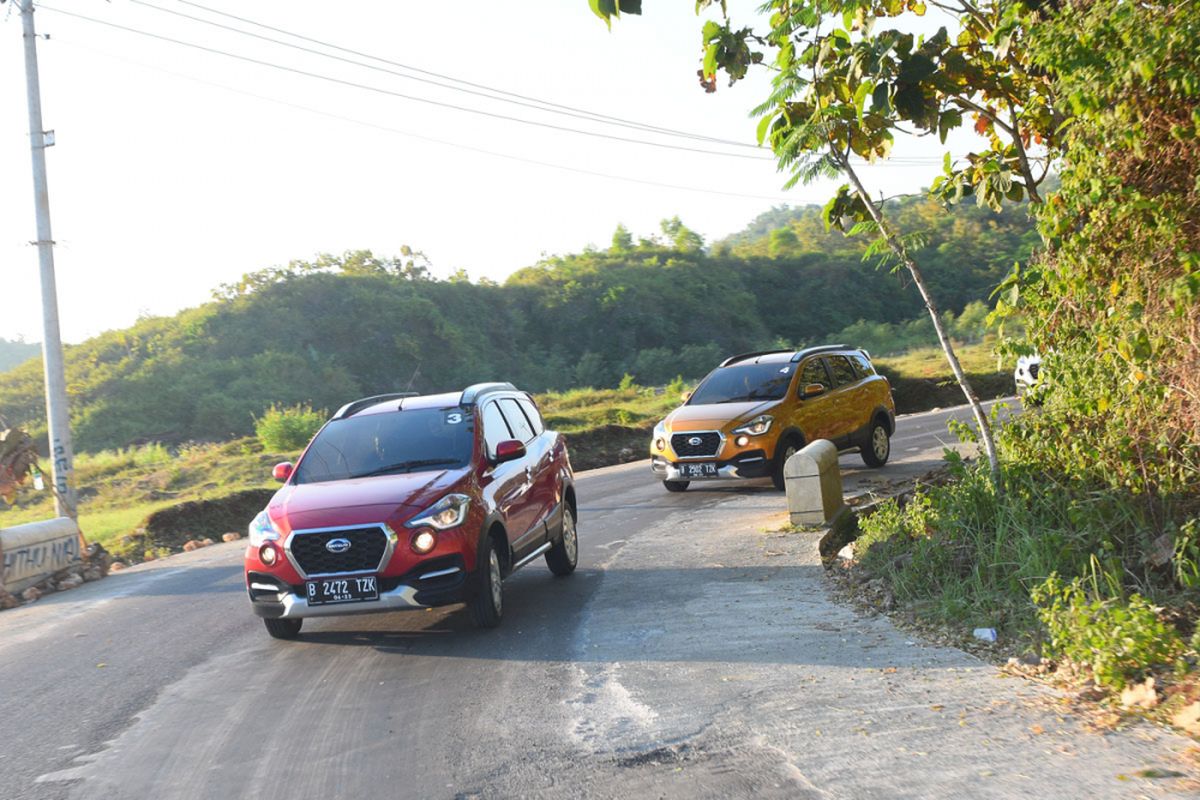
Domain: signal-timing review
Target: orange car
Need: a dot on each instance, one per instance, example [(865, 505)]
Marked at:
[(755, 410)]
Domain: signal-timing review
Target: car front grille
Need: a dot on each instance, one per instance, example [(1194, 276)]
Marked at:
[(696, 445), (367, 546)]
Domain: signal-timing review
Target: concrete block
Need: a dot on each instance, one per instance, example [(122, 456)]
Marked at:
[(814, 484), (36, 550)]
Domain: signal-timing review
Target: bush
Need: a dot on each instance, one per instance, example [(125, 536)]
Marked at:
[(285, 429), (1119, 640)]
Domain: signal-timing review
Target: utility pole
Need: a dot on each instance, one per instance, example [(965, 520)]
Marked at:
[(61, 455)]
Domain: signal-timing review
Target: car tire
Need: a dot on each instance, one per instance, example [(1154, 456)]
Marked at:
[(878, 445), (563, 555), (676, 486), (487, 605), (786, 449), (283, 628)]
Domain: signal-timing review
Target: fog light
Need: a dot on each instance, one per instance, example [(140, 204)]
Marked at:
[(742, 441), (424, 541), (659, 444), (267, 554)]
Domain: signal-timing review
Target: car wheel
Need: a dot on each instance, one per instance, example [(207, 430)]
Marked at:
[(487, 605), (564, 555), (785, 451), (283, 628), (676, 486), (878, 447)]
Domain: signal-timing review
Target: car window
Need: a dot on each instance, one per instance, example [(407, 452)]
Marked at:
[(743, 383), (520, 427), (842, 372), (389, 444), (813, 372), (861, 365), (495, 429), (531, 413)]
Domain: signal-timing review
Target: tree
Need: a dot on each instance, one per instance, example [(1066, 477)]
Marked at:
[(830, 57), (622, 240)]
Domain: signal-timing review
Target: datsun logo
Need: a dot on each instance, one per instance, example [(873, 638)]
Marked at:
[(337, 545)]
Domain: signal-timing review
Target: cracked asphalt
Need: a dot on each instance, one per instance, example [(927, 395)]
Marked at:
[(695, 653)]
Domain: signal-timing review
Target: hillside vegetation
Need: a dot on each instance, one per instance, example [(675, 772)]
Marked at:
[(334, 328), (16, 352)]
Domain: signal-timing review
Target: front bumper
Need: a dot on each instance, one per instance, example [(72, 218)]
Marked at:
[(294, 606), (752, 464), (438, 582)]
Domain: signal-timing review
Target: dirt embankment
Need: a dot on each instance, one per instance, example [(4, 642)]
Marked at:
[(171, 528)]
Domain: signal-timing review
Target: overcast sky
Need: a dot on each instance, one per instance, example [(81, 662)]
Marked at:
[(177, 169)]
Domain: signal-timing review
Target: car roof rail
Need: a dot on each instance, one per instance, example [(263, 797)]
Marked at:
[(473, 393), (350, 409), (744, 356), (824, 348)]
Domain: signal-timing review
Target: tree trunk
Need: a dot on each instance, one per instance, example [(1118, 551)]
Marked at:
[(897, 246)]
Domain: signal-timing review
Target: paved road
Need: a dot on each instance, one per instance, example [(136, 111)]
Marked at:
[(693, 654)]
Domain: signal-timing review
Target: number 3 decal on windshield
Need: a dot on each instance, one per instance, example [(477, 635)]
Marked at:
[(454, 418)]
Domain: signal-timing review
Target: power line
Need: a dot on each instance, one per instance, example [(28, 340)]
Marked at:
[(401, 95), (542, 105), (446, 82), (421, 137)]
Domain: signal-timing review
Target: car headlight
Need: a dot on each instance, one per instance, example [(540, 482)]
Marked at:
[(659, 438), (449, 512), (757, 426), (262, 530)]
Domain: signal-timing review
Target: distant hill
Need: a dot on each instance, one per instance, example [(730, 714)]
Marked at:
[(13, 353), (340, 327)]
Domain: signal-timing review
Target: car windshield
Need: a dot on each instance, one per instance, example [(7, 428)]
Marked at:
[(389, 444), (743, 383)]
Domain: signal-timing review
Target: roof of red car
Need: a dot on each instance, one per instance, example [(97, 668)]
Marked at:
[(446, 400)]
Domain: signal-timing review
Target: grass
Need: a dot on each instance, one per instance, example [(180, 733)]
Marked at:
[(930, 362), (581, 410)]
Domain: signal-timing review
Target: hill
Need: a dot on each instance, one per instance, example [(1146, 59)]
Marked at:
[(13, 353), (339, 327)]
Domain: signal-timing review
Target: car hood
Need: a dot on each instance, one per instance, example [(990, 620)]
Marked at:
[(360, 501), (715, 416)]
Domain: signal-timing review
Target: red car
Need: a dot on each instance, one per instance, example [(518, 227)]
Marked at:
[(403, 501)]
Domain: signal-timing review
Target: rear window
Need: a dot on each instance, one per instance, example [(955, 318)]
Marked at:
[(389, 444), (861, 365), (743, 383)]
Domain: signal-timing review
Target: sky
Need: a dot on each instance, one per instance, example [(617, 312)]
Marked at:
[(177, 169)]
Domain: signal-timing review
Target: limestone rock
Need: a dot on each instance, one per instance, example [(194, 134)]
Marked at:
[(232, 536)]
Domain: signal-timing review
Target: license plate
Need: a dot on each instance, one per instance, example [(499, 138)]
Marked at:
[(703, 470), (354, 589)]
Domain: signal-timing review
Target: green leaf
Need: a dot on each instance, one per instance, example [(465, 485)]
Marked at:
[(710, 60), (764, 125), (711, 31), (860, 97), (947, 122)]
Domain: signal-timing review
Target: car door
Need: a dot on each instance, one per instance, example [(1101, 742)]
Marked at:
[(546, 481), (845, 401), (529, 508), (512, 482), (812, 413)]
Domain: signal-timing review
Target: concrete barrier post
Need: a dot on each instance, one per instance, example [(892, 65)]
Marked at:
[(36, 550), (814, 484)]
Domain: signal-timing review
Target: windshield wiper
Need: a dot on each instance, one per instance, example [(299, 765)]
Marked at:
[(405, 466)]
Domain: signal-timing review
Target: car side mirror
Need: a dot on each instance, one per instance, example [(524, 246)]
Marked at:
[(685, 396), (812, 390), (282, 471), (509, 450)]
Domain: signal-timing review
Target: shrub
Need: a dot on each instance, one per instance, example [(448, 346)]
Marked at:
[(286, 429), (1120, 640)]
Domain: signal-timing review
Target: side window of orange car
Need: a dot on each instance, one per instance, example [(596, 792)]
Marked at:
[(843, 373), (813, 372)]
